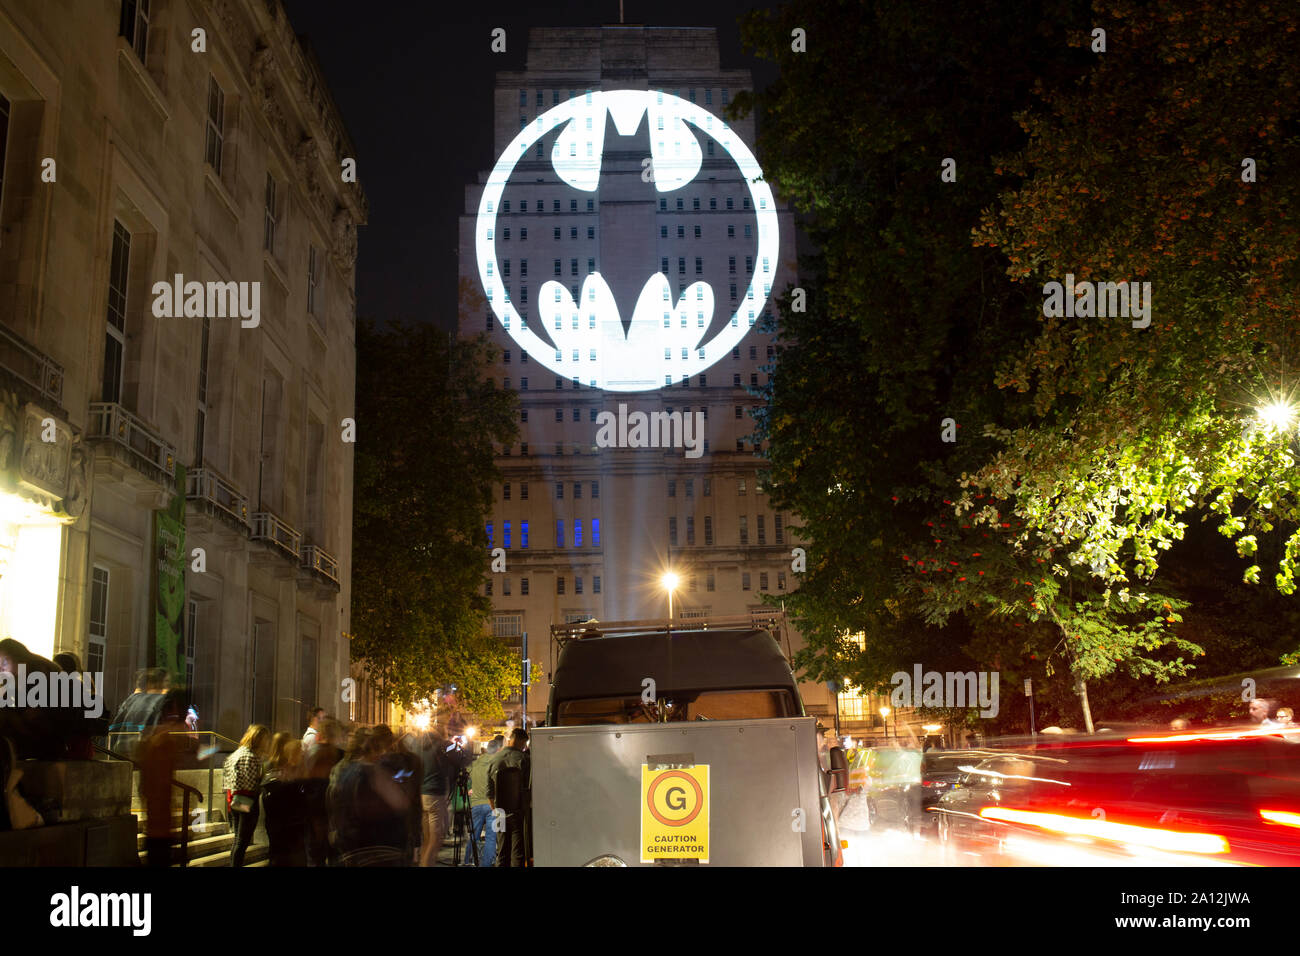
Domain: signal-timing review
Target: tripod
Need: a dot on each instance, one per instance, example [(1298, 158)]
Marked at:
[(461, 822)]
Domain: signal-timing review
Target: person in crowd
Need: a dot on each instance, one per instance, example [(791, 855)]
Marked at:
[(284, 803), (157, 754), (54, 729), (140, 711), (1284, 717), (368, 808), (314, 718), (508, 782), (241, 778), (1261, 710), (1179, 725), (435, 792), (480, 808), (317, 766)]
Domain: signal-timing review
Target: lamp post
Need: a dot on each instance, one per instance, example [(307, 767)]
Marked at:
[(884, 719)]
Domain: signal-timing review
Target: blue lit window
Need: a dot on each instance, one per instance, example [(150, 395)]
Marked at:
[(559, 533), (505, 533), (577, 534), (523, 534), (489, 534), (595, 532)]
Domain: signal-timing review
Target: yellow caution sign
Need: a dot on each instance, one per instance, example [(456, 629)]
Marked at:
[(675, 814)]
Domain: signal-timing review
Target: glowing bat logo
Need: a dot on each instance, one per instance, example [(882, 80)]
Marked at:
[(668, 336)]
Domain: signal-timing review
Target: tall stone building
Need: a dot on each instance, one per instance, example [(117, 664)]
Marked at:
[(193, 509), (650, 190)]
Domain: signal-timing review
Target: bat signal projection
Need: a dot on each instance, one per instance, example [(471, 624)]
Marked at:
[(628, 331)]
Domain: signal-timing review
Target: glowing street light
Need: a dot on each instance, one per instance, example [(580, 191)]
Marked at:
[(670, 580), (884, 719), (1277, 416)]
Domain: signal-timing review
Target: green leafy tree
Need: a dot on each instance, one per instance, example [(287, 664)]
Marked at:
[(1169, 164), (428, 415)]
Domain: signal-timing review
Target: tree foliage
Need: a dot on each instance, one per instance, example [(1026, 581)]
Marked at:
[(1085, 445), (428, 416)]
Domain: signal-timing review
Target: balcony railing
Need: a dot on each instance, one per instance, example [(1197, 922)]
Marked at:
[(32, 366), (145, 448), (317, 559), (272, 529), (209, 487)]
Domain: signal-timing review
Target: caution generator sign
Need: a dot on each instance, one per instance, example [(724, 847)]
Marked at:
[(675, 814)]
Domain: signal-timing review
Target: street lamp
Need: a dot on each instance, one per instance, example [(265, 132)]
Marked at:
[(1277, 416), (670, 580), (884, 719)]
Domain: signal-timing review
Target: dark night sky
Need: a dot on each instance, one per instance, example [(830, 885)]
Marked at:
[(415, 90)]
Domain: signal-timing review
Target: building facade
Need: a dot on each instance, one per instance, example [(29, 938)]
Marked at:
[(177, 252), (589, 523)]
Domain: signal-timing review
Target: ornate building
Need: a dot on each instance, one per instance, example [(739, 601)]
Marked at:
[(177, 252)]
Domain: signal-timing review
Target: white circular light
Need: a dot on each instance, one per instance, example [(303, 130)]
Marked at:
[(646, 355)]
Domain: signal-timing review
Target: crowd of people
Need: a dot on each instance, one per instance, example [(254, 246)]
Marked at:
[(385, 800)]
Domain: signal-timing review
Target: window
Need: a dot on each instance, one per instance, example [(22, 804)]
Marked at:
[(523, 532), (595, 532), (762, 533), (135, 26), (557, 233), (559, 532), (695, 203), (708, 487), (487, 588), (523, 237), (212, 148), (577, 533), (778, 529), (740, 487), (523, 387), (672, 488), (690, 482), (523, 264), (740, 412), (744, 580), (780, 580), (523, 491), (708, 532), (489, 534), (697, 232), (681, 232), (595, 584), (672, 531), (762, 580), (744, 529), (505, 534), (268, 235), (115, 343), (97, 636), (559, 585), (699, 266), (690, 529), (313, 279), (731, 232), (505, 587), (577, 585), (523, 587), (595, 485), (559, 412), (577, 417), (708, 582), (577, 485)]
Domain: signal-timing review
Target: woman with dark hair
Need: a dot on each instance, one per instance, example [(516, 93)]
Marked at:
[(284, 801), (241, 778), (368, 806)]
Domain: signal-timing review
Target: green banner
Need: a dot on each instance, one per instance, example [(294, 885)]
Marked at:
[(169, 582)]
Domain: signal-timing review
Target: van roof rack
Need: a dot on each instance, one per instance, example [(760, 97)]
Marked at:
[(578, 630)]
